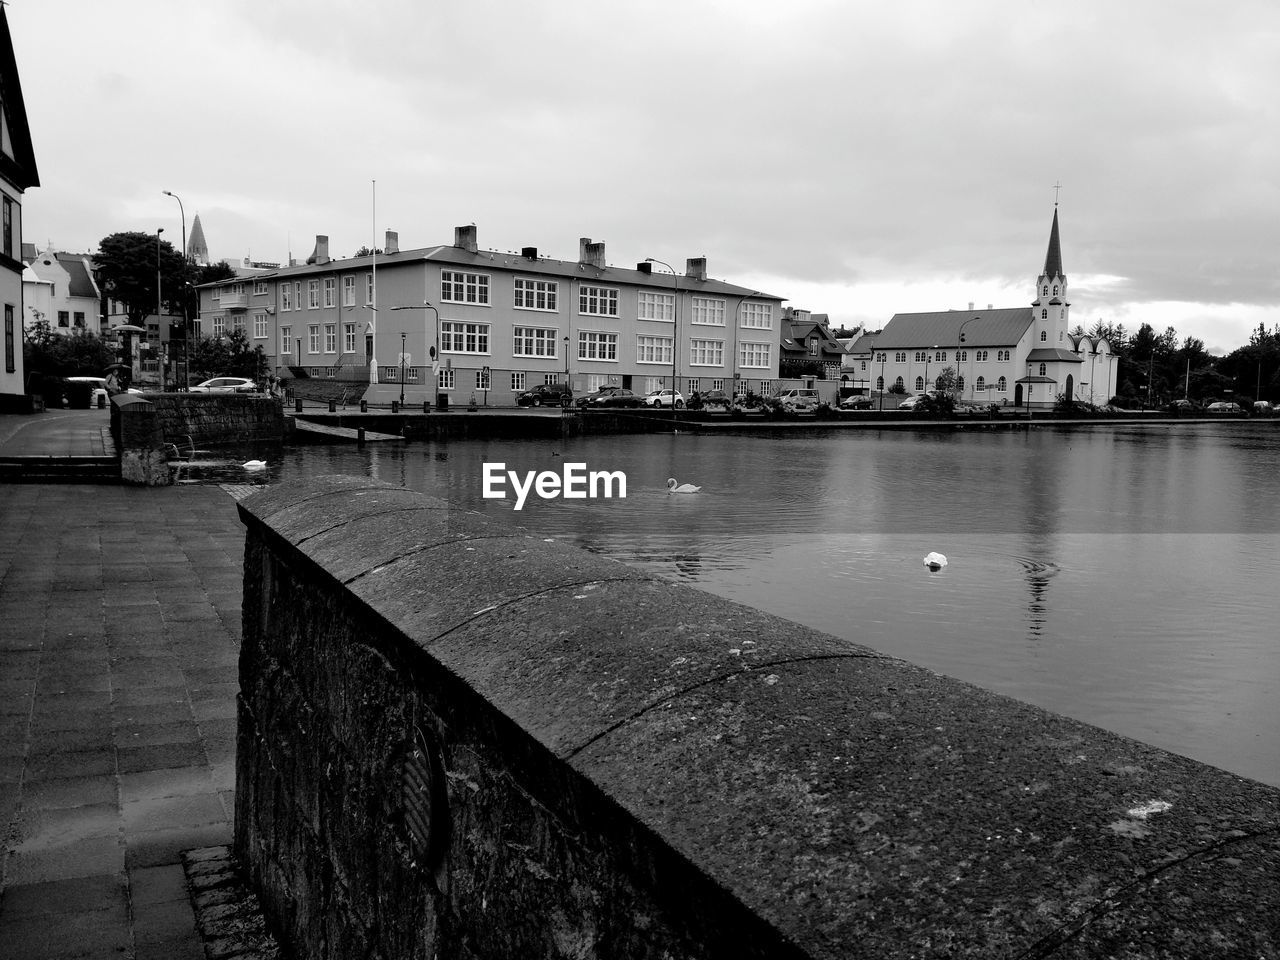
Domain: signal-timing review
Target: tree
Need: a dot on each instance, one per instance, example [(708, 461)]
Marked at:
[(126, 265), (227, 356), (367, 251), (197, 275), (78, 354)]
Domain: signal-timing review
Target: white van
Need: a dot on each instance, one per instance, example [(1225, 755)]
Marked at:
[(799, 399), (99, 386)]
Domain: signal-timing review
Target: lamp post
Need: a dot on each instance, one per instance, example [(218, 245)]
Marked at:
[(428, 348), (883, 356), (186, 341), (159, 231), (402, 368), (675, 331), (958, 348)]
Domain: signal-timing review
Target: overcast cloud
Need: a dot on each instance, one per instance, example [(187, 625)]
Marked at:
[(857, 159)]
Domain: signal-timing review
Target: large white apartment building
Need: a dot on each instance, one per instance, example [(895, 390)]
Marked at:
[(458, 318)]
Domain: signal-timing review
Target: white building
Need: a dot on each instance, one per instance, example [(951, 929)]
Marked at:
[(1019, 355)]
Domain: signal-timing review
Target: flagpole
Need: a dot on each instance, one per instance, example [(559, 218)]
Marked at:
[(373, 324)]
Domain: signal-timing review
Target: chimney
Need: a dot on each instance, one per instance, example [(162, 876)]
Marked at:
[(529, 253), (591, 254), (465, 237), (695, 268), (971, 306), (321, 253), (393, 242), (645, 267), (989, 307)]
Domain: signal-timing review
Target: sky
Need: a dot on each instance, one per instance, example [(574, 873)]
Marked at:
[(857, 159)]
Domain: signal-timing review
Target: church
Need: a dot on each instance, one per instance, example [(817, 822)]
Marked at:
[(1023, 356)]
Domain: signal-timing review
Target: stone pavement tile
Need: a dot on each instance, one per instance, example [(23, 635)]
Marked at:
[(70, 763), (224, 774), (51, 702), (46, 721), (164, 813), (220, 709), (152, 734), (164, 884), (13, 736), (148, 694), (88, 738), (16, 705), (101, 892), (187, 948), (59, 826), (73, 683), (164, 922), (11, 768), (159, 756), (69, 792), (173, 782), (83, 935), (83, 858), (162, 847), (171, 707)]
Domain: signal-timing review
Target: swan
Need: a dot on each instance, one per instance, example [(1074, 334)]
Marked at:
[(254, 464), (673, 487), (935, 561)]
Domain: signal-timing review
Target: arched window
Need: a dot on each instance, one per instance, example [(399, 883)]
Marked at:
[(1044, 314), (1042, 369), (981, 384), (1002, 384), (919, 384), (1055, 289), (1059, 336), (960, 384), (937, 384), (880, 384), (900, 385), (1046, 289), (1044, 335)]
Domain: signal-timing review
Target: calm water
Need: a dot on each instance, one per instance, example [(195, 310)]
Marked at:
[(1125, 576)]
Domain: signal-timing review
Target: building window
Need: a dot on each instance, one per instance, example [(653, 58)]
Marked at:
[(8, 230), (537, 295), (10, 346), (962, 356), (1002, 355), (219, 327), (751, 354), (260, 326), (959, 383), (655, 306), (1042, 369), (348, 338), (78, 319), (1002, 384), (392, 374), (813, 346), (758, 316), (598, 301), (458, 287), (1044, 314), (919, 384), (446, 378), (597, 380), (330, 338), (286, 297), (981, 384), (707, 312), (717, 384), (899, 386), (941, 355), (597, 346), (259, 287), (551, 378), (64, 318), (1044, 335), (517, 380), (706, 353), (330, 292), (313, 338), (464, 337), (1055, 289), (349, 291), (482, 379), (691, 386), (900, 357), (653, 349), (286, 345), (534, 342), (368, 288), (313, 294), (880, 384)]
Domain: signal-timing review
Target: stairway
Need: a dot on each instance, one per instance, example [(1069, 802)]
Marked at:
[(54, 469)]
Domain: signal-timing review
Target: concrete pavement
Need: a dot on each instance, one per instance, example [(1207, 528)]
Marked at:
[(119, 638)]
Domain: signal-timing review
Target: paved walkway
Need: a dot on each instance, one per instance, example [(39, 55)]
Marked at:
[(119, 638)]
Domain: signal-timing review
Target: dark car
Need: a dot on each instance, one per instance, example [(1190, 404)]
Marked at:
[(1181, 406), (857, 402), (546, 394), (595, 397), (620, 397)]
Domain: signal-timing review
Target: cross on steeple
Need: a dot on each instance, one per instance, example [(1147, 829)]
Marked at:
[(1056, 187)]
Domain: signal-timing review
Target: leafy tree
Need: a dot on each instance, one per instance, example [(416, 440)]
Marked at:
[(229, 356), (368, 251), (209, 273), (78, 354), (126, 266)]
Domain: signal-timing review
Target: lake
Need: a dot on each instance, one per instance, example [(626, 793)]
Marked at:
[(1124, 575)]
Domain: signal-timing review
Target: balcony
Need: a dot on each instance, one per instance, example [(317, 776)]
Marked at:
[(234, 301)]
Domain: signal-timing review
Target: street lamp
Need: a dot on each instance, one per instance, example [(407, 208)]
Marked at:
[(675, 331), (926, 367), (186, 342), (158, 232), (402, 368), (427, 347), (961, 342), (884, 355)]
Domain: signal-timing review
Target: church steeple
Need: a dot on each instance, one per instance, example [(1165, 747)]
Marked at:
[(197, 250), (1050, 307), (1053, 258)]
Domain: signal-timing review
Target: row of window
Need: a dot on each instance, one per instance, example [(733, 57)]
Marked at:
[(940, 356), (980, 384), (528, 294)]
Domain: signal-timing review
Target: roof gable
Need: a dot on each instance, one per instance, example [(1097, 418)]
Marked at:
[(17, 157)]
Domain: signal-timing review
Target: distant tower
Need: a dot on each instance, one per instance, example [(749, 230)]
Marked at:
[(1050, 309), (197, 250)]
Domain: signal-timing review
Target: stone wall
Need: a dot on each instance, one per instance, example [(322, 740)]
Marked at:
[(139, 440), (460, 740), (218, 417)]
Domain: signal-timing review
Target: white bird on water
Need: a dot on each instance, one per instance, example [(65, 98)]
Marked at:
[(673, 487), (935, 561), (254, 464)]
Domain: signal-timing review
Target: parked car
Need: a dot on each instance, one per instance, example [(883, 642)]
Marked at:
[(226, 385), (911, 402), (857, 403), (98, 389), (620, 397), (662, 398), (1181, 406), (798, 399), (1264, 408), (546, 394), (1224, 407), (595, 396), (715, 398)]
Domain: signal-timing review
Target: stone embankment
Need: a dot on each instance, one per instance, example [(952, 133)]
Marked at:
[(456, 739)]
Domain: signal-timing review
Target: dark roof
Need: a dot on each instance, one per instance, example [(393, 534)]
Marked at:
[(983, 328), (1046, 354), (1053, 257), (796, 337), (80, 280), (865, 343), (20, 169), (516, 263)]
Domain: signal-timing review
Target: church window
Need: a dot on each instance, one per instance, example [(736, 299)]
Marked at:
[(1055, 289), (1002, 355), (900, 385), (962, 356), (1062, 312), (880, 384), (1044, 335), (1002, 384), (1059, 336), (940, 355), (1044, 314), (960, 384), (1042, 369), (919, 384), (1046, 290), (981, 384)]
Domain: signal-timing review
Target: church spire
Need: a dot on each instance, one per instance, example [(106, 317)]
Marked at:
[(1053, 258)]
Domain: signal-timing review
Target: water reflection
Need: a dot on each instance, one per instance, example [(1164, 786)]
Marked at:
[(1123, 576)]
